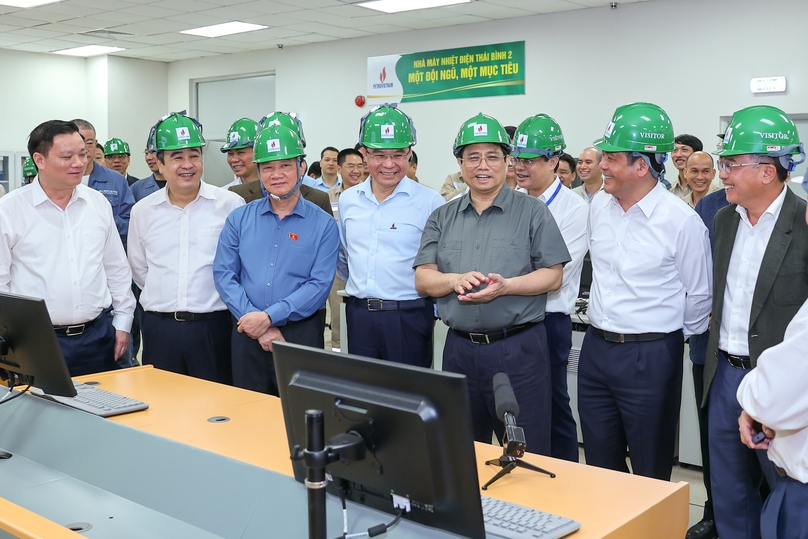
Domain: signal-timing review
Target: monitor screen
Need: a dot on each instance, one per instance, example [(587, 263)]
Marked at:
[(32, 353), (416, 424)]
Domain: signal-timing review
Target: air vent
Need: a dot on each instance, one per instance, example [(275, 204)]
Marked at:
[(103, 32)]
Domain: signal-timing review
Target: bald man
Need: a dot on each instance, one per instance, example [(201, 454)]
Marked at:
[(699, 173), (589, 171)]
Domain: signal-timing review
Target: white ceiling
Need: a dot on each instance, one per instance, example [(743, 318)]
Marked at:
[(152, 26)]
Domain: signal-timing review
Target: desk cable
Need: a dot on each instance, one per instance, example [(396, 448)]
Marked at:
[(9, 396), (371, 532)]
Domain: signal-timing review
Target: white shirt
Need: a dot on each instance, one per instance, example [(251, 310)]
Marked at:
[(171, 249), (72, 258), (651, 266), (571, 214), (774, 393), (742, 275)]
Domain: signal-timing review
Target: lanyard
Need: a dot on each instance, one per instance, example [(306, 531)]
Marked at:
[(560, 185)]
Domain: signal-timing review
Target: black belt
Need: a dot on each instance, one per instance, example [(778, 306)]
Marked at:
[(628, 337), (77, 329), (739, 362), (183, 316), (488, 338), (376, 304)]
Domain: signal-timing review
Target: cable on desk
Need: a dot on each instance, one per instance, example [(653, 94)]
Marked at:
[(371, 532), (8, 397)]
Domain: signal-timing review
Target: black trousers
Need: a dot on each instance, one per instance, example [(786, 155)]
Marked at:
[(92, 351), (254, 369), (564, 432), (200, 348)]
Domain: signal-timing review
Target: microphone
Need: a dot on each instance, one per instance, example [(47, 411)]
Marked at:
[(507, 408)]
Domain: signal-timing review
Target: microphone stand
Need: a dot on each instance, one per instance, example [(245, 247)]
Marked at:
[(513, 447)]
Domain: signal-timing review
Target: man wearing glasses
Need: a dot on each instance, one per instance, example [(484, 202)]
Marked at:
[(760, 258), (380, 224), (489, 258)]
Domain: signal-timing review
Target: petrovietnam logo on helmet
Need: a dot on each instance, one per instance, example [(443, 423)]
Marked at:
[(113, 146), (183, 134), (521, 140), (609, 129), (234, 136), (274, 145), (480, 130), (388, 131)]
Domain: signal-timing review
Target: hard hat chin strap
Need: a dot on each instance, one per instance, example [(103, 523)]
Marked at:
[(300, 174), (789, 160), (660, 158)]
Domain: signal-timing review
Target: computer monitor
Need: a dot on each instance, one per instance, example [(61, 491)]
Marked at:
[(416, 423), (29, 350)]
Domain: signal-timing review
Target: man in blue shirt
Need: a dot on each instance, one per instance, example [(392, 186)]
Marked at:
[(275, 263), (109, 183), (380, 223), (329, 176), (148, 185)]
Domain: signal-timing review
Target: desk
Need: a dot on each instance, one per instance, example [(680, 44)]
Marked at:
[(608, 504)]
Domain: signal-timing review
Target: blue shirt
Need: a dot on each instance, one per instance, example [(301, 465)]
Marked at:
[(379, 240), (284, 267), (113, 185), (320, 184), (708, 206), (143, 188)]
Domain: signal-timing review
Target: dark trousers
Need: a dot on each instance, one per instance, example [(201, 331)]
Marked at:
[(698, 350), (629, 394), (254, 369), (402, 335), (563, 432), (738, 473), (785, 513), (200, 348), (92, 351), (524, 358)]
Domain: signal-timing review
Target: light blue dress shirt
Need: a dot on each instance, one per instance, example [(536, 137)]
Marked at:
[(320, 184), (379, 240), (284, 267)]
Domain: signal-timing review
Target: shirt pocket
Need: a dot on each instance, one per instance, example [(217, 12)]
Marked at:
[(643, 261), (511, 257), (449, 256), (207, 241), (93, 242), (402, 242)]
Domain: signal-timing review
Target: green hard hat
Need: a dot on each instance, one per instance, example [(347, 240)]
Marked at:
[(286, 119), (176, 131), (29, 169), (480, 129), (116, 146), (638, 127), (537, 136), (764, 130), (386, 128), (241, 134), (275, 143)]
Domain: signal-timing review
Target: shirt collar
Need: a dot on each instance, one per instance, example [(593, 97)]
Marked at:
[(549, 191), (38, 195), (206, 191), (404, 186), (647, 203), (299, 208), (502, 199), (773, 209)]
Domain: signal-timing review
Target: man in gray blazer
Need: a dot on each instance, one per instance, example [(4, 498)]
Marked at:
[(760, 282)]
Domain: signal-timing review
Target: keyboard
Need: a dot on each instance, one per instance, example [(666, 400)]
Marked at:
[(511, 521), (95, 401)]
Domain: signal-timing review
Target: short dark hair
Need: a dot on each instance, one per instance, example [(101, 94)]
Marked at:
[(99, 146), (567, 158), (782, 172), (341, 156), (315, 169), (41, 138), (689, 140), (83, 124), (357, 146), (328, 149), (511, 130), (414, 157)]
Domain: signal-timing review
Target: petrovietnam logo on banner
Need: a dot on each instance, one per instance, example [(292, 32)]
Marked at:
[(383, 83)]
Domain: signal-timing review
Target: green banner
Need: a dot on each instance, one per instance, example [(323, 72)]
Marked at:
[(448, 74)]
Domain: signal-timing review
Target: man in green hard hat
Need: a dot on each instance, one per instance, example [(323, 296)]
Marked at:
[(117, 157), (760, 282), (489, 258), (275, 262), (538, 145), (250, 187), (29, 171), (381, 221), (651, 289), (173, 235)]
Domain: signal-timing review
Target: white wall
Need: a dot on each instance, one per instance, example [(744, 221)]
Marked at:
[(694, 58)]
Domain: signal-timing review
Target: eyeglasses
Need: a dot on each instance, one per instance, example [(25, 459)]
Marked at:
[(724, 166), (380, 158), (525, 162), (351, 166), (475, 160)]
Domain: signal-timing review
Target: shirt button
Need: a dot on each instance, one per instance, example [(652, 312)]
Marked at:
[(732, 338), (745, 261), (476, 319), (272, 264), (269, 284), (276, 246), (476, 246), (479, 222)]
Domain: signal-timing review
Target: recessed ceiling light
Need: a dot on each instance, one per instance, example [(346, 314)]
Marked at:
[(226, 29), (27, 3), (396, 6), (88, 50)]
